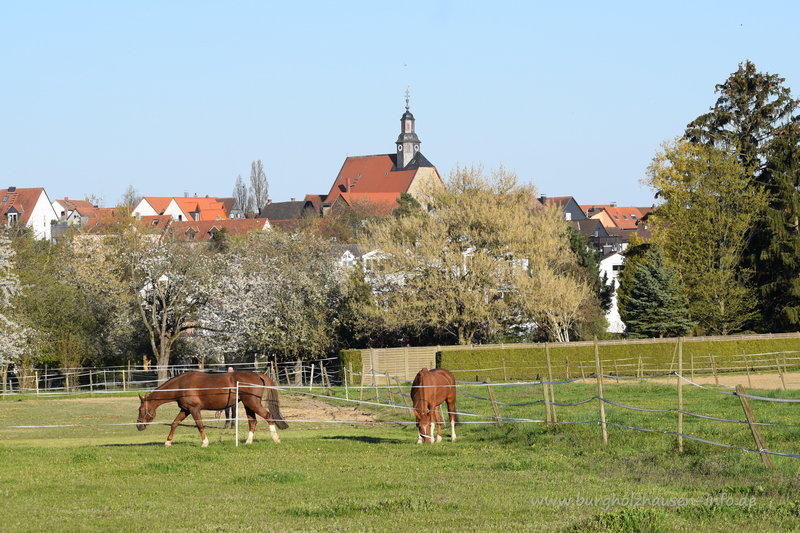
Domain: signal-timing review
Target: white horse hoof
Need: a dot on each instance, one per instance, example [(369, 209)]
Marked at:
[(438, 438), (205, 443), (168, 443), (453, 438)]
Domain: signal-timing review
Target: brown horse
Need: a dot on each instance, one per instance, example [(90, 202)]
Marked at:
[(428, 391), (194, 391)]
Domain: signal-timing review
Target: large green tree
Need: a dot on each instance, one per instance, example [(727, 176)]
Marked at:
[(756, 117), (710, 205), (487, 255)]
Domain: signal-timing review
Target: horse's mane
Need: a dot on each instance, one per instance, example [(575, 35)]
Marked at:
[(168, 382)]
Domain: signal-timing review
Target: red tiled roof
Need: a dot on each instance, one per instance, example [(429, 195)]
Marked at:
[(159, 203), (22, 200), (622, 217), (202, 230), (370, 176), (209, 208)]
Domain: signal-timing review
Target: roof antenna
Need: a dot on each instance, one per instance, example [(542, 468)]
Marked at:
[(408, 95)]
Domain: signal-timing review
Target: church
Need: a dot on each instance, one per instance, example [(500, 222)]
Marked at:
[(376, 182)]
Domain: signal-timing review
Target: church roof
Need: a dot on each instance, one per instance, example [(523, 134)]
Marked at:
[(374, 178)]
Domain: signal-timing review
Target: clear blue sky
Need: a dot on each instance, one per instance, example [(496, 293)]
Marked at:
[(174, 97)]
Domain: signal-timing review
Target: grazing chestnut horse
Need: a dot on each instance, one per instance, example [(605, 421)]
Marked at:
[(194, 391), (429, 390)]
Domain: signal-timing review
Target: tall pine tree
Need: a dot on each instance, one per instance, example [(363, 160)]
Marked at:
[(775, 247)]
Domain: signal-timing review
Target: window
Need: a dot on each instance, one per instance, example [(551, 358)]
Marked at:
[(12, 218), (5, 198), (567, 216)]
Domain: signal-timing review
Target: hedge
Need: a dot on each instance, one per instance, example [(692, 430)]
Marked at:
[(497, 364), (346, 357)]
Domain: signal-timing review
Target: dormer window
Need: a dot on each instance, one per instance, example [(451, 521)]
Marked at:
[(191, 234), (5, 198), (12, 218)]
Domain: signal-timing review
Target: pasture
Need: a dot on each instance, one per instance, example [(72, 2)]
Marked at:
[(331, 474)]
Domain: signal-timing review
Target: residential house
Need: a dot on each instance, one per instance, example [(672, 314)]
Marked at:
[(611, 265), (28, 207), (188, 208), (612, 216), (288, 215), (567, 204), (375, 182), (74, 212), (204, 230)]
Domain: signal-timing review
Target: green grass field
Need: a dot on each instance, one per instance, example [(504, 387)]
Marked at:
[(330, 477)]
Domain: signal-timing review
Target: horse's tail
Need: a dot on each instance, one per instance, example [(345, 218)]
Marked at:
[(272, 402)]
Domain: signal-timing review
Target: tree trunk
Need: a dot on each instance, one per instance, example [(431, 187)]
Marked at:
[(163, 360)]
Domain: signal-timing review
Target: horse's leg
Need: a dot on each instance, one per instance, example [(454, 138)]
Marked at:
[(228, 417), (451, 409), (198, 420), (439, 425), (178, 419), (251, 420), (254, 404)]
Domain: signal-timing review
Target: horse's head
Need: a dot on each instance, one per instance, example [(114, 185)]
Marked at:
[(423, 425), (147, 413)]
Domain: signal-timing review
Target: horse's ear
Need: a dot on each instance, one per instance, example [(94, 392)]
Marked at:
[(141, 398)]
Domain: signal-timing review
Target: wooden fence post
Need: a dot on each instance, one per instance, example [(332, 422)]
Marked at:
[(124, 384), (566, 366), (505, 376), (680, 395), (350, 370), (550, 378), (714, 369), (640, 368), (598, 374), (400, 390), (546, 395), (311, 378), (495, 407), (751, 421), (298, 376), (747, 369), (91, 383), (36, 378), (46, 379), (692, 363), (780, 373)]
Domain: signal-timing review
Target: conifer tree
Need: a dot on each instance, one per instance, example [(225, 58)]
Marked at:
[(654, 304)]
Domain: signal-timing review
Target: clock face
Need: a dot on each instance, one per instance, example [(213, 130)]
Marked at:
[(416, 148), (399, 147)]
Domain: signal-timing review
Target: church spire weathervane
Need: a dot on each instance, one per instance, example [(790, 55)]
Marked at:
[(408, 95)]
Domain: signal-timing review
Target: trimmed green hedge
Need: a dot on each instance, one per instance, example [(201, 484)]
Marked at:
[(345, 358), (623, 359)]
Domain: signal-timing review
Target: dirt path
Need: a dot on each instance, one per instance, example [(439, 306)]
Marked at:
[(756, 381)]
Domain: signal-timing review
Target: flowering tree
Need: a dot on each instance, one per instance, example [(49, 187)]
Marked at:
[(170, 281), (14, 339), (273, 294)]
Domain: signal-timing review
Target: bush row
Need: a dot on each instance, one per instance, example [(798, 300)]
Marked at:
[(570, 361)]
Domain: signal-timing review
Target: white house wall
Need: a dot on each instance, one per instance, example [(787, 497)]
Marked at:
[(144, 209), (41, 218), (607, 267)]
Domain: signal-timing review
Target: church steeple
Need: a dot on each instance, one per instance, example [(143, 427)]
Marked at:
[(407, 141)]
